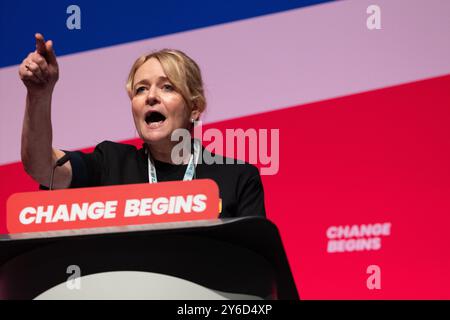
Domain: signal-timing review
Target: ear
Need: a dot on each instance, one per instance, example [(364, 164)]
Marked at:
[(195, 113)]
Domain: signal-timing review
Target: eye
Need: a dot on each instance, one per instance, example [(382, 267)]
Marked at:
[(139, 89), (168, 87)]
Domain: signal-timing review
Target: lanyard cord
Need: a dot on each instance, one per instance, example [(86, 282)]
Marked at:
[(190, 170)]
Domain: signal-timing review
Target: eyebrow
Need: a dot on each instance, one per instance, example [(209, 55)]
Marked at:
[(145, 81)]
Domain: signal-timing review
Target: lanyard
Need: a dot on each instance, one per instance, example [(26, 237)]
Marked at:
[(190, 170)]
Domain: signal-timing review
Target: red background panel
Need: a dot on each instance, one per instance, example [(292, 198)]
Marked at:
[(375, 157)]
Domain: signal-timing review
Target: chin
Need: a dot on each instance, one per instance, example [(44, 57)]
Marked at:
[(152, 137)]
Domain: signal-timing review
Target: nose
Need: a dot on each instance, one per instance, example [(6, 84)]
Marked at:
[(152, 97)]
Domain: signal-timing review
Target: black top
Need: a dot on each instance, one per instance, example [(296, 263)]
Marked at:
[(240, 186)]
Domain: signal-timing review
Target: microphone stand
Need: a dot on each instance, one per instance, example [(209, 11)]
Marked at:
[(58, 163)]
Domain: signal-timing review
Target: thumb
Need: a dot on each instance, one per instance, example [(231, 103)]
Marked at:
[(50, 52)]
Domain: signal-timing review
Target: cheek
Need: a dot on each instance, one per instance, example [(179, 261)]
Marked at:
[(177, 108), (135, 108)]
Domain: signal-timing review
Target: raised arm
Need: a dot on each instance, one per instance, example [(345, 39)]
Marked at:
[(39, 72)]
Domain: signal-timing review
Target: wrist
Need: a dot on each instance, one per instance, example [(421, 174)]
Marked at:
[(40, 95)]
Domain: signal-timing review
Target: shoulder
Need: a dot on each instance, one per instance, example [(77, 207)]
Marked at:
[(116, 146), (102, 151), (109, 152), (112, 149)]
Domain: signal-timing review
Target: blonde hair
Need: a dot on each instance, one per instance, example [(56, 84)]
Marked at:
[(182, 72)]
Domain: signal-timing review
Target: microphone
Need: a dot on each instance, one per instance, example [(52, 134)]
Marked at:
[(58, 163)]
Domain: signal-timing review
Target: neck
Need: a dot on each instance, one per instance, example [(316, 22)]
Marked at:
[(163, 151)]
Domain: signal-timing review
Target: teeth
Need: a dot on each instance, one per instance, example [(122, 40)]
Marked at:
[(155, 124)]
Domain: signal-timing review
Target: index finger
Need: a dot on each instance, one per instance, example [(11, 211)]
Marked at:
[(40, 44)]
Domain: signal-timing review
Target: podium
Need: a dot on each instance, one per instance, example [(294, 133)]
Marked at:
[(239, 258)]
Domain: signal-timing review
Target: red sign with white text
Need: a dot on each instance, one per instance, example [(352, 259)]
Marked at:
[(113, 206)]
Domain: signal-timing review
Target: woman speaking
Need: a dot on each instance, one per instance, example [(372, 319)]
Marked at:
[(166, 92)]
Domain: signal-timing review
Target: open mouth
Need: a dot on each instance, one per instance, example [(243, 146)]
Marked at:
[(154, 118)]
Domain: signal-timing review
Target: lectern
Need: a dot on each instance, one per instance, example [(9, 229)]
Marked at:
[(240, 258)]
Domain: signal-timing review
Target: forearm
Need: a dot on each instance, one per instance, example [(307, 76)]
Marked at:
[(37, 153)]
